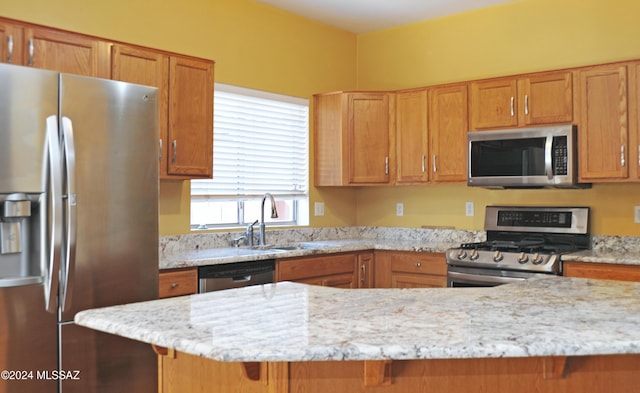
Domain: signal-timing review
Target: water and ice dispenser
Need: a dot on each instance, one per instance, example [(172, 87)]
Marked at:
[(21, 221)]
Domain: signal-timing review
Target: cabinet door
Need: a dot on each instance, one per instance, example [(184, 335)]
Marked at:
[(448, 126), (65, 52), (365, 270), (190, 117), (368, 138), (602, 126), (411, 137), (493, 103), (11, 43), (151, 68), (546, 98), (634, 129), (405, 280)]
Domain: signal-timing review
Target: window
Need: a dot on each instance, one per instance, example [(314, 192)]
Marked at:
[(260, 145)]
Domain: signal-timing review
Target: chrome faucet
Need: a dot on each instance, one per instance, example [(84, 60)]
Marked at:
[(274, 214), (249, 234)]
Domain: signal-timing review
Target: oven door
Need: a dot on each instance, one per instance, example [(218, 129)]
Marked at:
[(458, 276)]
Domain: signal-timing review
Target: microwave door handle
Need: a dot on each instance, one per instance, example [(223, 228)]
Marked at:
[(547, 157)]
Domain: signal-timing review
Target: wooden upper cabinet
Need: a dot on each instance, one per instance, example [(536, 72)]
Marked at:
[(603, 123), (493, 103), (412, 139), (11, 43), (151, 68), (545, 98), (368, 138), (185, 86), (190, 134), (528, 100), (634, 122), (352, 139), (65, 52), (448, 127)]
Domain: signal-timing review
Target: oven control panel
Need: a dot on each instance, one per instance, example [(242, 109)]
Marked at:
[(544, 219)]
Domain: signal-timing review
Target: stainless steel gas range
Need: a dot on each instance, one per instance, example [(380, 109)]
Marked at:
[(521, 242)]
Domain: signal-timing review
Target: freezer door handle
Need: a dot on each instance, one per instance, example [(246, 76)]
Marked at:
[(70, 222), (51, 271)]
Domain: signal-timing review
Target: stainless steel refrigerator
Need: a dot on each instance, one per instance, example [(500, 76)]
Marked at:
[(78, 228)]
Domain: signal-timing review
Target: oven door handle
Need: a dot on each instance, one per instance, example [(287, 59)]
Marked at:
[(476, 278)]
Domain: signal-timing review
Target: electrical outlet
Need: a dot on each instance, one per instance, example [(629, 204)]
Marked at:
[(318, 208), (636, 214), (469, 209), (399, 209)]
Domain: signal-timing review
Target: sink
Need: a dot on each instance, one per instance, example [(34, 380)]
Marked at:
[(286, 247)]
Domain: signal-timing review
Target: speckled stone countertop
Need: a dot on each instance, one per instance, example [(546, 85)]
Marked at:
[(214, 248), (542, 316)]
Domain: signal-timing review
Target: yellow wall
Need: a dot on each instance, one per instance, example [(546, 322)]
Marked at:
[(260, 47), (517, 37), (253, 45)]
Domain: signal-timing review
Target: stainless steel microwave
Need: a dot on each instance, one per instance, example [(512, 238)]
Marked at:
[(524, 158)]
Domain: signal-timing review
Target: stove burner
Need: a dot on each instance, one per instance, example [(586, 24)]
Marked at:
[(524, 245)]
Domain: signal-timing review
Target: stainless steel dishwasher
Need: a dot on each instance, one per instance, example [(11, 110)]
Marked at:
[(234, 275)]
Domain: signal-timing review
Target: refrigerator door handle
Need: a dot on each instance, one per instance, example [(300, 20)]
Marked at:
[(69, 153), (52, 268)]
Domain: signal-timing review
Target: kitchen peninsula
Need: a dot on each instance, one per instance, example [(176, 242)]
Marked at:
[(546, 334)]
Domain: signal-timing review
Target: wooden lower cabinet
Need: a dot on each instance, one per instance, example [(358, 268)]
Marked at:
[(604, 271), (593, 374), (344, 270), (404, 269), (178, 282)]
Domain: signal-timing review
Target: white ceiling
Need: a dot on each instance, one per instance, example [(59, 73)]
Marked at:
[(361, 16)]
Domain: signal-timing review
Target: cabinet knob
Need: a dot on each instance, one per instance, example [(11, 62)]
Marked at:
[(174, 285), (418, 264)]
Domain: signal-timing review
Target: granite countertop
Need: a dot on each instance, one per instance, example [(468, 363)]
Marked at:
[(192, 250), (541, 316), (213, 256)]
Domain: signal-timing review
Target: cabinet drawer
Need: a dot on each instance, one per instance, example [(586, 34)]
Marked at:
[(177, 283), (424, 264), (297, 269), (604, 271)]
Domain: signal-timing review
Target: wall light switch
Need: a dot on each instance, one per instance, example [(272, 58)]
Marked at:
[(318, 208), (636, 214), (469, 209), (400, 209)]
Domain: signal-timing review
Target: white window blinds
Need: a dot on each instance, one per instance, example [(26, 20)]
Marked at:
[(260, 145)]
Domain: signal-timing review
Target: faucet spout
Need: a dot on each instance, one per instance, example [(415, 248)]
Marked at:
[(274, 214)]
